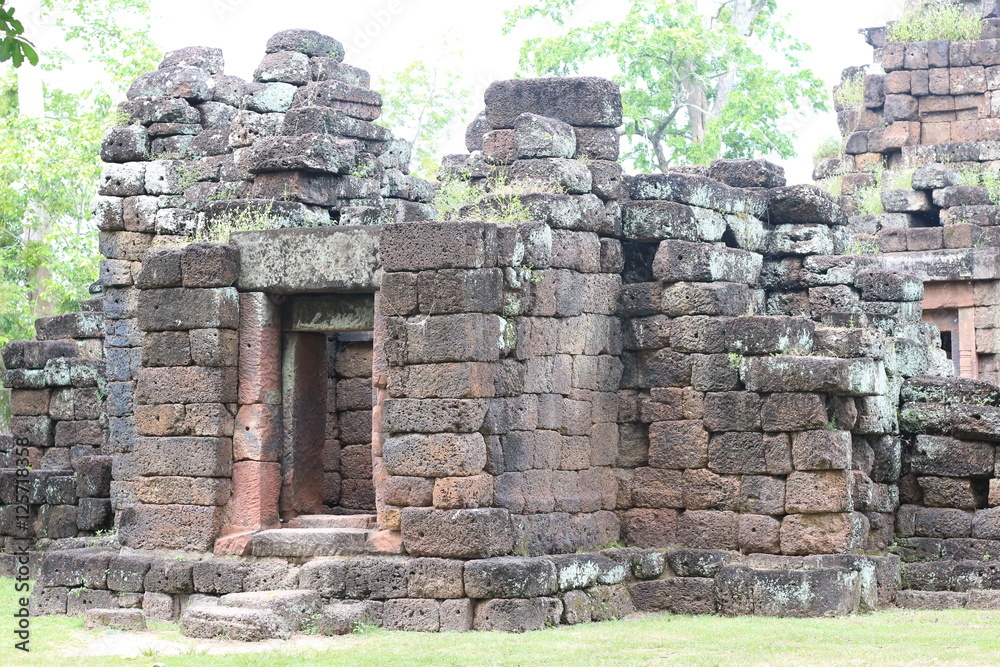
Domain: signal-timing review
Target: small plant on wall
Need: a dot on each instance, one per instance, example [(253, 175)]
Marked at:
[(939, 21)]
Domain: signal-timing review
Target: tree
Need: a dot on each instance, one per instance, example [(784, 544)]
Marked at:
[(14, 46), (427, 103), (50, 164), (698, 81)]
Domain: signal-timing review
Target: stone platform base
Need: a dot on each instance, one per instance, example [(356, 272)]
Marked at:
[(256, 598)]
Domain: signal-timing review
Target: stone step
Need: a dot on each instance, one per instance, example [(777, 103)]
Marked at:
[(309, 542), (362, 521), (295, 608), (239, 623)]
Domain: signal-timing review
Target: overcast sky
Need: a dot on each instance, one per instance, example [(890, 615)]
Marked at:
[(385, 35)]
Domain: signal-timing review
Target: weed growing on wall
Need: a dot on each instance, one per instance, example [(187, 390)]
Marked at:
[(498, 201), (930, 22), (898, 180), (834, 185), (850, 94), (831, 147), (983, 178)]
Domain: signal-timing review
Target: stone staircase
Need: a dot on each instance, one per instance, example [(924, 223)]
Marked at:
[(949, 574), (327, 535), (252, 616)]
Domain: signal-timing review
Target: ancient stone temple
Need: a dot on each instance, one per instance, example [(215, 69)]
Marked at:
[(581, 394)]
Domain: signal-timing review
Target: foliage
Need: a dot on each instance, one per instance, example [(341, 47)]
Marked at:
[(14, 46), (850, 94), (694, 87), (869, 201), (862, 246), (497, 201), (941, 21), (831, 147), (901, 179), (981, 177), (49, 166), (453, 195), (426, 103), (242, 220), (834, 185)]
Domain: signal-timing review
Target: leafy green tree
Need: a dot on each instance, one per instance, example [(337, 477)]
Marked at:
[(14, 46), (426, 103), (700, 80), (50, 165)]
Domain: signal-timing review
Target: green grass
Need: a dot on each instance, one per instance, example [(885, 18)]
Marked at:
[(886, 638), (922, 24), (850, 94), (830, 147)]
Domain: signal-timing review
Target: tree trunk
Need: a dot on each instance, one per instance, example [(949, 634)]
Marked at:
[(745, 12), (36, 223)]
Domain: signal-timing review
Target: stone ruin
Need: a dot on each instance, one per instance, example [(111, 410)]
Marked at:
[(673, 392)]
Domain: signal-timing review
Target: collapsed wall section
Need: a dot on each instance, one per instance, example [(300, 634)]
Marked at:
[(919, 143), (55, 470)]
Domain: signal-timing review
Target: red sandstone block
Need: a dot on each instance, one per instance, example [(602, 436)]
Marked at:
[(209, 419), (902, 133), (257, 433), (183, 456), (189, 384), (463, 492), (260, 350), (818, 492), (649, 527), (924, 238), (187, 527), (966, 131), (160, 420), (29, 402), (805, 534), (759, 534), (657, 489), (706, 529), (256, 486)]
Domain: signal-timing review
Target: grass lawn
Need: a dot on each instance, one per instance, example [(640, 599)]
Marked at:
[(958, 637)]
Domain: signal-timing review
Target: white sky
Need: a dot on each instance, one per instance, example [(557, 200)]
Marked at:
[(385, 35)]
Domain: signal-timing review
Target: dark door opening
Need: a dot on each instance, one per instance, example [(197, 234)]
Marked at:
[(326, 461)]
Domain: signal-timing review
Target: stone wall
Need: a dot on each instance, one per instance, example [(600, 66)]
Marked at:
[(347, 454), (687, 363), (55, 464), (929, 119)]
